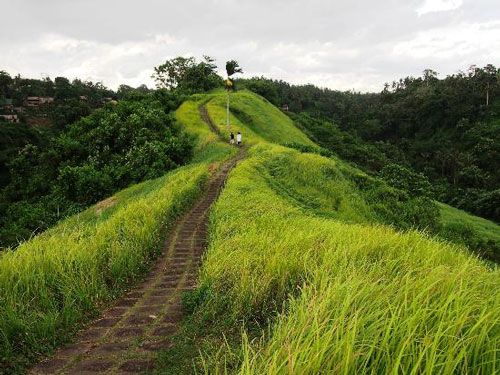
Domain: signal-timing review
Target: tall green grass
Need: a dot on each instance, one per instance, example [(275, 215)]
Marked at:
[(208, 147), (339, 293), (56, 281), (256, 118), (478, 234)]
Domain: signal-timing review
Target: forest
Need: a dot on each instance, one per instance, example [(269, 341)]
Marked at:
[(445, 130)]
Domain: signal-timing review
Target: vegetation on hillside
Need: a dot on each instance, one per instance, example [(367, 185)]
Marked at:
[(313, 265), (445, 128), (52, 284), (316, 266), (57, 281), (87, 153), (112, 148), (340, 296), (187, 75), (267, 123)]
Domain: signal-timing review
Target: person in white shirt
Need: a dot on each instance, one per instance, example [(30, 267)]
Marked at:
[(238, 139)]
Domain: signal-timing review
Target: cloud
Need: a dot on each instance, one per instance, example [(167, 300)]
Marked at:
[(454, 43), (340, 44), (430, 6), (114, 64)]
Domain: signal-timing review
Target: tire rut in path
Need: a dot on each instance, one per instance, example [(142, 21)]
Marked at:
[(128, 335)]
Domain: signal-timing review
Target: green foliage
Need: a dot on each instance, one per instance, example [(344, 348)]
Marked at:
[(416, 184), (232, 67), (479, 235), (312, 265), (187, 75), (446, 129), (264, 88), (59, 280), (14, 137), (344, 144), (112, 148), (61, 89), (338, 296), (302, 275)]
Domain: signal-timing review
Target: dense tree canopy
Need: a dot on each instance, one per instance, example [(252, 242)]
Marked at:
[(114, 147), (447, 129), (188, 75)]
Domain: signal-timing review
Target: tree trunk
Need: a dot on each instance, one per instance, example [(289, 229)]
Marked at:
[(487, 94)]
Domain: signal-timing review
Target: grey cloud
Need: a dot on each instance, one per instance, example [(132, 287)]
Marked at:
[(341, 44)]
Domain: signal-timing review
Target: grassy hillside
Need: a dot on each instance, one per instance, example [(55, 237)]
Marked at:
[(478, 234), (484, 228), (312, 265), (57, 281), (343, 297), (256, 118), (312, 268)]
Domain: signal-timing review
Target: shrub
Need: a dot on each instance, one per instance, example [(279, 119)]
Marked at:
[(405, 179)]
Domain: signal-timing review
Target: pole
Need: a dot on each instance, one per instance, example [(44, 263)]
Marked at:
[(227, 111)]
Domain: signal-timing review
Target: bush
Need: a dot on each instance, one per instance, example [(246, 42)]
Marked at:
[(465, 234), (416, 184)]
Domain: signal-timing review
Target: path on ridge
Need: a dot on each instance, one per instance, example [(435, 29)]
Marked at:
[(208, 120), (128, 335)]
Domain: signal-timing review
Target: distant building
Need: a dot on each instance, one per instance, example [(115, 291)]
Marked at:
[(10, 118), (6, 105), (83, 98), (285, 107), (36, 101)]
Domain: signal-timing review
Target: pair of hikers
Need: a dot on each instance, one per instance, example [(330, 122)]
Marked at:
[(238, 138)]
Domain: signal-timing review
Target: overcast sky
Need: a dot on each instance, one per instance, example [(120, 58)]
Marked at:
[(341, 44)]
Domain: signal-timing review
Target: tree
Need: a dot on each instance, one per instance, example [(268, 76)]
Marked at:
[(416, 184), (5, 82), (490, 78), (232, 67), (63, 88), (429, 76), (187, 75), (170, 73)]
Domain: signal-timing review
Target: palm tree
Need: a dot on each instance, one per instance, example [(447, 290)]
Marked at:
[(232, 67)]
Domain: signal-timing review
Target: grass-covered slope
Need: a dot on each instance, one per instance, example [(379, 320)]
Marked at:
[(208, 147), (343, 297), (256, 118), (479, 234), (54, 283), (312, 268), (58, 280)]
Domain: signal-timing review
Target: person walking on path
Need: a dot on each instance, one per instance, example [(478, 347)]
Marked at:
[(231, 138), (238, 139)]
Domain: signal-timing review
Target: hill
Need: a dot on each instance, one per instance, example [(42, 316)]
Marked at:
[(307, 271), (312, 265)]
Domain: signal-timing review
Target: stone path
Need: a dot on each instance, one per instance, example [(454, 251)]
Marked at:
[(208, 120), (128, 335)]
